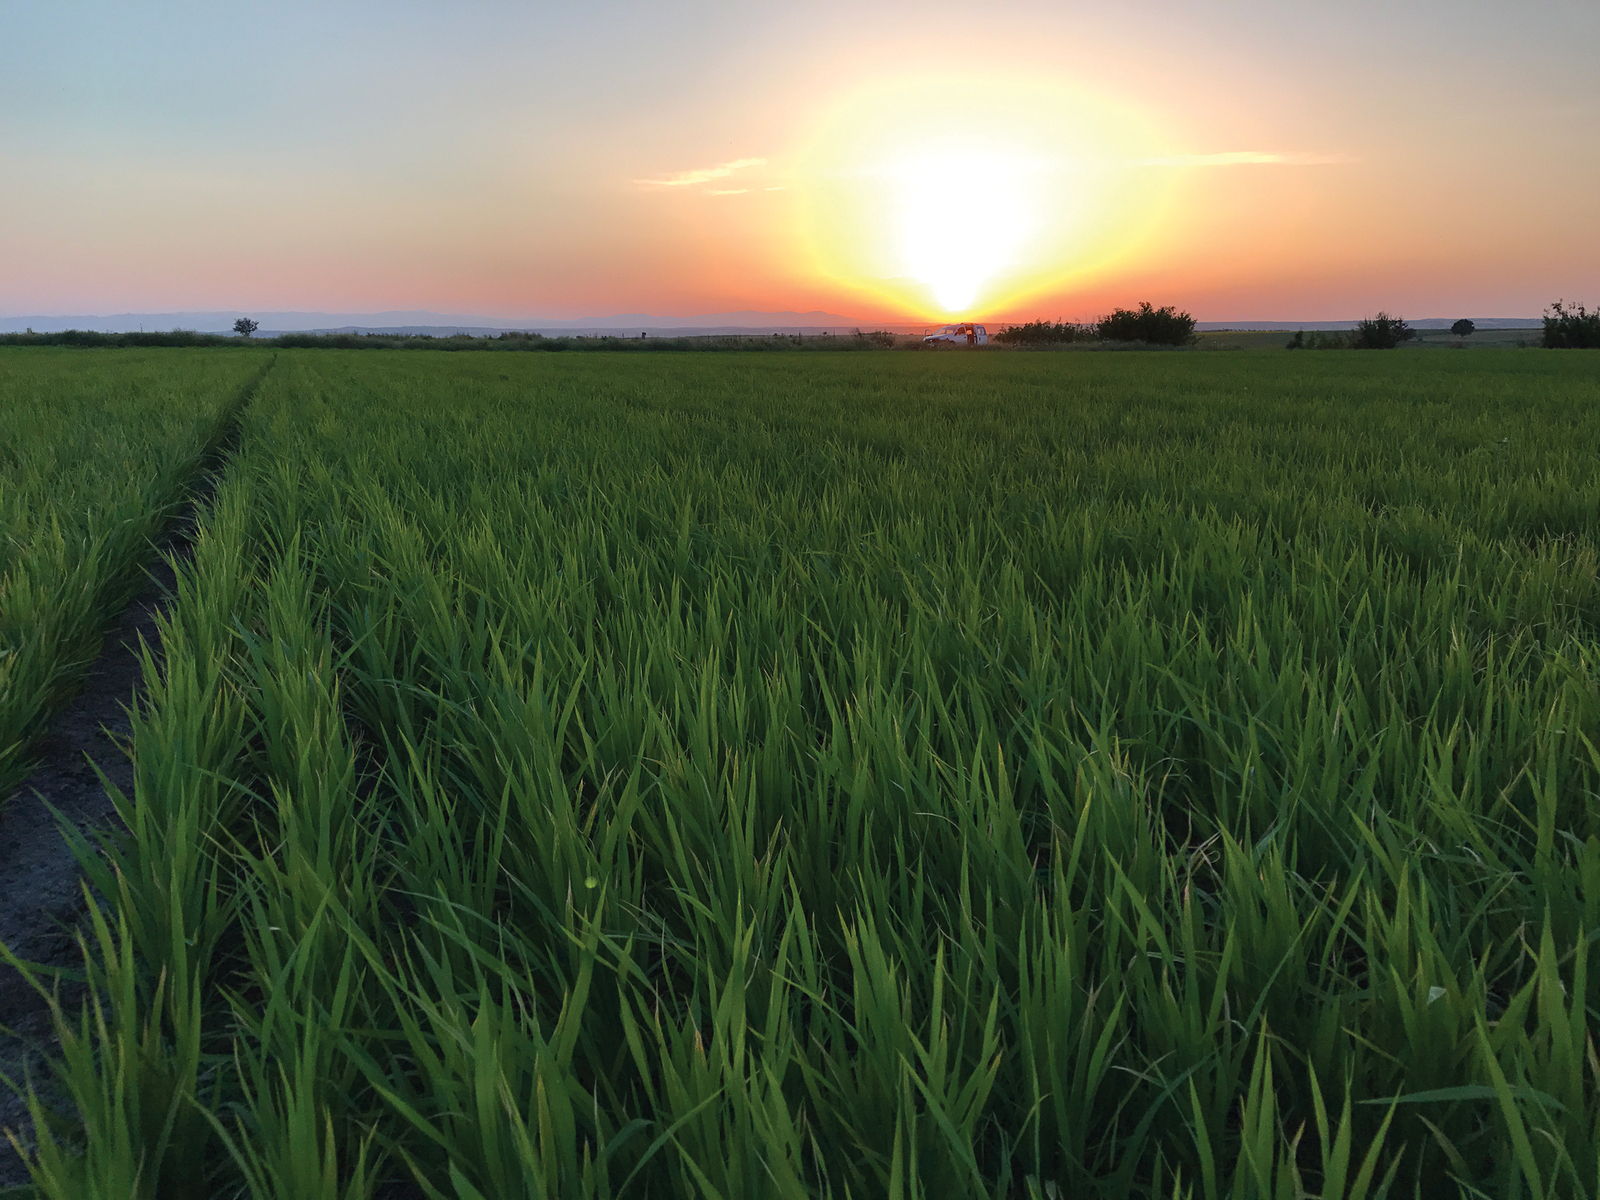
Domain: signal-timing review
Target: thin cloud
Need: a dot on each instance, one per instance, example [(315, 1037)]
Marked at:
[(1238, 158), (702, 174), (729, 192)]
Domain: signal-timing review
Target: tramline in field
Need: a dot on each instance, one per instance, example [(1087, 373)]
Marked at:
[(947, 776), (95, 454)]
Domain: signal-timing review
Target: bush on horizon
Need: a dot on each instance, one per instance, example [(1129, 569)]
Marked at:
[(512, 342), (1317, 341), (1381, 332), (1571, 327), (1043, 333), (1157, 326), (93, 338)]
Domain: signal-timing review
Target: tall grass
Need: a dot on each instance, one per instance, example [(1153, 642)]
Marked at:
[(94, 459), (994, 777)]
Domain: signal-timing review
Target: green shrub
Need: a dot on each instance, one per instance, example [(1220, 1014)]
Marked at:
[(1317, 341), (1158, 326), (1043, 333), (93, 339), (1381, 332), (1571, 327)]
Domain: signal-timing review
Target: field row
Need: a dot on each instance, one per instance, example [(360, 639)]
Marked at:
[(95, 457), (886, 776)]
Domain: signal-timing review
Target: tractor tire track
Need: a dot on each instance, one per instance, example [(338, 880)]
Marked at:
[(41, 894)]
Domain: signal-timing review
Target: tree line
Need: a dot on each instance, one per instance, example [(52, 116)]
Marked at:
[(1148, 324)]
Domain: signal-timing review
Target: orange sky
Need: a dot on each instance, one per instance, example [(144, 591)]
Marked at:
[(903, 162)]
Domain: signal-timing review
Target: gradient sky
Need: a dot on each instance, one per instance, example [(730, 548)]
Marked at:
[(1248, 160)]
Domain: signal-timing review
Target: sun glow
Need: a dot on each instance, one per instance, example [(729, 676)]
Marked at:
[(962, 217), (944, 197)]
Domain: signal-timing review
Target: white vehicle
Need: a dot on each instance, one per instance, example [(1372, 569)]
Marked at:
[(972, 335)]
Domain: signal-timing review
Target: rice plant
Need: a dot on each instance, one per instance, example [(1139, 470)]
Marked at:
[(95, 456), (997, 776)]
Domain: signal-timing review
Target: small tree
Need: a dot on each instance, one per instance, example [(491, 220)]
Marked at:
[(244, 326), (1381, 332), (1158, 326), (1463, 328)]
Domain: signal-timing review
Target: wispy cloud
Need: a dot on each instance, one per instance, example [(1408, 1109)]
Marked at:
[(729, 192), (703, 174), (1240, 158)]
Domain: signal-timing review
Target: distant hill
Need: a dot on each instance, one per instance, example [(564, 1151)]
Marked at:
[(745, 321), (222, 322), (1423, 323), (439, 324)]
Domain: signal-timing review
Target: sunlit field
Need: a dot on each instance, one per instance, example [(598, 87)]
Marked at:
[(881, 775)]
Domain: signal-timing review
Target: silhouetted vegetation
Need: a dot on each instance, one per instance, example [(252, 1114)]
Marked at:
[(90, 338), (1157, 326), (1381, 332), (1571, 327), (1043, 333), (1463, 328), (1317, 341), (244, 326), (512, 340)]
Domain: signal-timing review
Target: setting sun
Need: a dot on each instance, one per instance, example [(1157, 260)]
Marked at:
[(941, 196), (878, 165), (961, 217)]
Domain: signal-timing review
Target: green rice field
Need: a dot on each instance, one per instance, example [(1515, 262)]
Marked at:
[(94, 457), (888, 775)]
